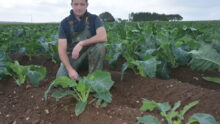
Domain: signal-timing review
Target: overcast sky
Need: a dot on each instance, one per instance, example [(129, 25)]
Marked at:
[(56, 10)]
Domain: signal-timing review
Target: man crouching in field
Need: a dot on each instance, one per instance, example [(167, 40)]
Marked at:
[(81, 37)]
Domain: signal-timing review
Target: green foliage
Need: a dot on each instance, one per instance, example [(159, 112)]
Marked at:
[(33, 73), (213, 79), (80, 92), (148, 119), (145, 68), (181, 56), (58, 95), (163, 70), (19, 71), (148, 105), (115, 53), (203, 119), (172, 114), (84, 90), (107, 17), (147, 16), (3, 67), (165, 53), (98, 82), (204, 59), (30, 39), (80, 107), (64, 82), (172, 44), (186, 109)]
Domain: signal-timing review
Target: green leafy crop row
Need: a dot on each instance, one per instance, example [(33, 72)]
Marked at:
[(173, 115), (153, 49), (150, 49)]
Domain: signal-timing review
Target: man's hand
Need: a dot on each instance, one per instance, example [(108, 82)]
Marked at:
[(73, 74), (76, 50)]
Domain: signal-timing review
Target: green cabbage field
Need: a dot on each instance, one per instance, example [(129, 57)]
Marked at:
[(148, 51)]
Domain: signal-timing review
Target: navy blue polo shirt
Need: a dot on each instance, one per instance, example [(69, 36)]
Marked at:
[(64, 28)]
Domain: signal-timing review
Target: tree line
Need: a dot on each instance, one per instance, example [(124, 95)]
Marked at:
[(143, 16)]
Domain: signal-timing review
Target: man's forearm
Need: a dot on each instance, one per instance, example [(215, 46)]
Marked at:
[(62, 46), (101, 36), (65, 60)]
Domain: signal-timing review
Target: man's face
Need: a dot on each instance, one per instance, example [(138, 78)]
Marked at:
[(79, 7)]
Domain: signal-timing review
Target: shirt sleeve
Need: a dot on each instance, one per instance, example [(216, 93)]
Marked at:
[(62, 34), (98, 23)]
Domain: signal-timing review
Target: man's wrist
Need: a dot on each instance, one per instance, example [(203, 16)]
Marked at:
[(70, 69), (81, 43)]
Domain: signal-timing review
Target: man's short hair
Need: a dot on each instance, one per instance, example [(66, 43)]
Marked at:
[(86, 1)]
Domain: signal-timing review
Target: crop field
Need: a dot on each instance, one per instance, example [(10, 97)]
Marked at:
[(154, 73)]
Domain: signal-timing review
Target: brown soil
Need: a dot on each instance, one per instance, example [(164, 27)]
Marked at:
[(25, 104)]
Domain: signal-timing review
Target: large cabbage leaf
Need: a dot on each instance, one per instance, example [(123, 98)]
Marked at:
[(204, 59)]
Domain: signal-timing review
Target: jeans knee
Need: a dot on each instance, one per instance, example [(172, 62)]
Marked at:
[(100, 48)]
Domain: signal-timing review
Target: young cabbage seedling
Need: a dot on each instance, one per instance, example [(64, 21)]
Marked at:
[(172, 115), (98, 82)]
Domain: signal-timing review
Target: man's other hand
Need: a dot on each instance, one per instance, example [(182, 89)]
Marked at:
[(73, 74), (76, 50)]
